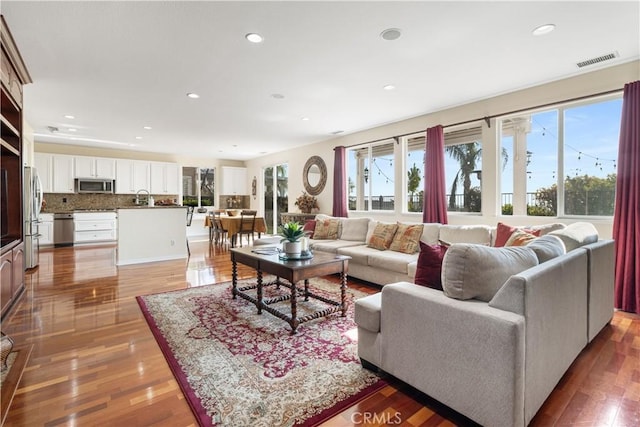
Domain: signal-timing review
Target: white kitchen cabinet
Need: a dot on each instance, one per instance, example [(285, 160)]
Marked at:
[(165, 178), (94, 227), (43, 163), (62, 174), (45, 228), (94, 167), (234, 180), (132, 175)]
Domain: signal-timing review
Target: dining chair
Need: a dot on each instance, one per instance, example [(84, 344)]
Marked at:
[(219, 232), (189, 219), (247, 224)]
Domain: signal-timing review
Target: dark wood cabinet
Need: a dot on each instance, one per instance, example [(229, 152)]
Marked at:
[(13, 75)]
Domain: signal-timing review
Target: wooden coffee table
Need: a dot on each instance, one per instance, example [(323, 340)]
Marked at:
[(293, 272)]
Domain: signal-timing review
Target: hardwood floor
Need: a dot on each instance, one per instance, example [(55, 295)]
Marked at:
[(95, 361)]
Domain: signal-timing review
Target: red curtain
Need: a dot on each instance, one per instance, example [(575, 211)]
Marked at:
[(435, 192), (626, 231), (340, 183)]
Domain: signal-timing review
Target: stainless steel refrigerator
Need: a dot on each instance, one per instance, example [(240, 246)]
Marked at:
[(32, 205)]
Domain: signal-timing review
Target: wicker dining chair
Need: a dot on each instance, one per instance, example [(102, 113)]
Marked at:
[(247, 225), (219, 233)]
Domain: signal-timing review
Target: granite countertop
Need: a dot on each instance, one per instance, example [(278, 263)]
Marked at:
[(151, 207)]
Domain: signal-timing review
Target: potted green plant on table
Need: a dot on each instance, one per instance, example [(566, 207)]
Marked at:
[(291, 233)]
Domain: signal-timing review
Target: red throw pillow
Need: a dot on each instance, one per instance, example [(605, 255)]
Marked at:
[(430, 265), (309, 227), (504, 231)]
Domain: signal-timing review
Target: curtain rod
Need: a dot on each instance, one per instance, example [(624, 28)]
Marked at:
[(487, 119)]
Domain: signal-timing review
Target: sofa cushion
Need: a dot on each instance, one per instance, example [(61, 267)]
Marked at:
[(577, 234), (547, 247), (430, 233), (407, 238), (359, 253), (477, 271), (367, 312), (309, 227), (354, 229), (547, 228), (331, 246), (504, 231), (520, 237), (382, 236), (479, 234), (391, 260), (429, 266), (326, 229)]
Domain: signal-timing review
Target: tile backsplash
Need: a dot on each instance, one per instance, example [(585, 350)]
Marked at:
[(58, 202)]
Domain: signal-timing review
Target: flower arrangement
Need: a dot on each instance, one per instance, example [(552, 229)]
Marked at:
[(306, 203)]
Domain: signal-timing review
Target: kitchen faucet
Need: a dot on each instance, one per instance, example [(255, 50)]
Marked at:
[(137, 202)]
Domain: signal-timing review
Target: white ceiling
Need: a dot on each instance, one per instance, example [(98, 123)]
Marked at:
[(119, 66)]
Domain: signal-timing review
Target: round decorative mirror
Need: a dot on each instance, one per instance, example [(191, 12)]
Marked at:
[(314, 175)]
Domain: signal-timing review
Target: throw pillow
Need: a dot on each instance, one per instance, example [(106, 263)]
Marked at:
[(309, 227), (504, 231), (520, 238), (429, 269), (478, 271), (326, 229), (407, 238), (382, 236)]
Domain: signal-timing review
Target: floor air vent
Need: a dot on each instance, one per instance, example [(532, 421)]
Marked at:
[(597, 60)]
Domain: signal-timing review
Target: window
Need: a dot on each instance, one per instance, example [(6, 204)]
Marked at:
[(562, 161), (371, 174), (463, 169), (415, 172), (198, 186)]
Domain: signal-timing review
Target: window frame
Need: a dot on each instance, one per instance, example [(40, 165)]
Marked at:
[(198, 185)]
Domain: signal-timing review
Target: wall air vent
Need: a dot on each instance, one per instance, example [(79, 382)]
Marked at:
[(597, 60)]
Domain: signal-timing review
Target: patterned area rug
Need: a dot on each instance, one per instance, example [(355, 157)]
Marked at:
[(238, 368)]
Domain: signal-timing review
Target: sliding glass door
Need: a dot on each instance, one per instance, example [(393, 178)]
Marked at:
[(276, 197)]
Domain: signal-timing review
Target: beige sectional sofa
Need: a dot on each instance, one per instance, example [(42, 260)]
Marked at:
[(497, 354)]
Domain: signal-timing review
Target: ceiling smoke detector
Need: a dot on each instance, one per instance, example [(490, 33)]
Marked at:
[(597, 60)]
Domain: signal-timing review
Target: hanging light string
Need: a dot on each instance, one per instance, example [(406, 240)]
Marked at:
[(380, 172), (598, 160)]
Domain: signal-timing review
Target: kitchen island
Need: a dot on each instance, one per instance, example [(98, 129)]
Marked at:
[(149, 234)]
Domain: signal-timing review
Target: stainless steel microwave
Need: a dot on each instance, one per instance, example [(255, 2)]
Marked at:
[(84, 185)]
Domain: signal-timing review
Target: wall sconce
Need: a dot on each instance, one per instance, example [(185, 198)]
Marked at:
[(366, 174)]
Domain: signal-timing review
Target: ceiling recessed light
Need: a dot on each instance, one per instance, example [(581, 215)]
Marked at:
[(254, 37), (391, 34), (277, 96), (146, 127), (543, 29), (193, 95), (73, 130), (389, 87), (305, 119), (69, 116), (138, 137)]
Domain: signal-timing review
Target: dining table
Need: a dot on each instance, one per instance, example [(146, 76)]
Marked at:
[(232, 225)]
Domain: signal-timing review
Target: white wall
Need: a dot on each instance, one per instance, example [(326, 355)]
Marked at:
[(585, 84)]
